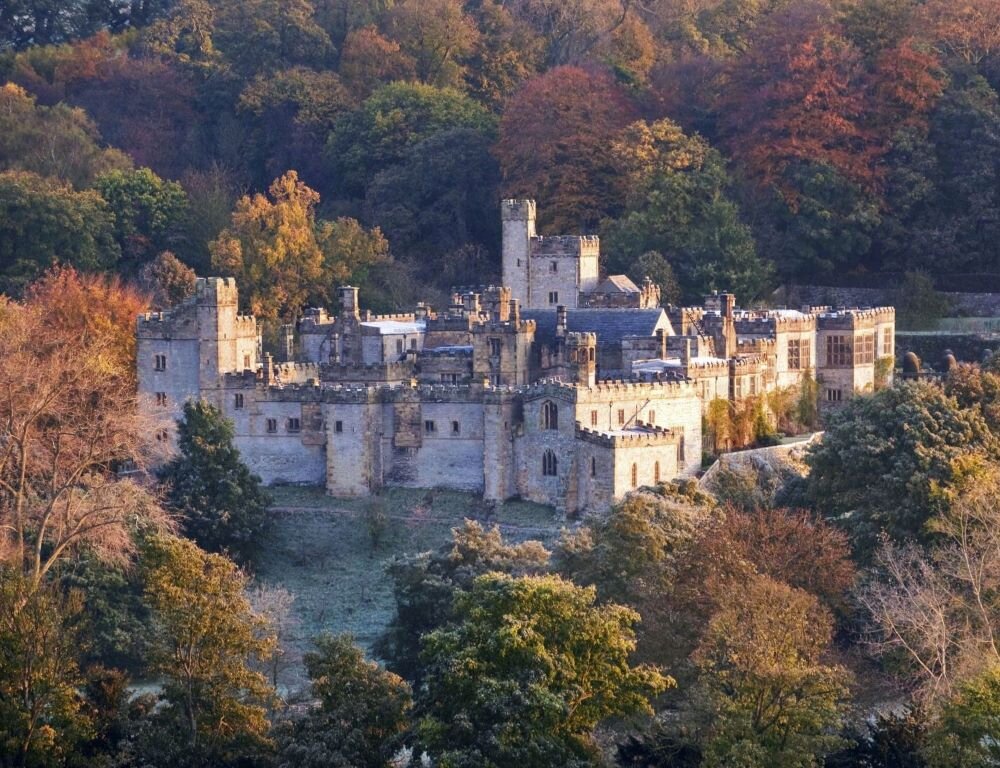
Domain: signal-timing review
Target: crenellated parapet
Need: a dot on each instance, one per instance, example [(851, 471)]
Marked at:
[(636, 437)]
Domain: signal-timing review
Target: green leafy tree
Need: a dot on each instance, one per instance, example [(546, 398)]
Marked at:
[(441, 196), (362, 714), (965, 734), (530, 667), (390, 121), (437, 35), (149, 213), (886, 460), (57, 141), (676, 205), (256, 35), (222, 504), (43, 222), (43, 719), (205, 640), (772, 700), (425, 587)]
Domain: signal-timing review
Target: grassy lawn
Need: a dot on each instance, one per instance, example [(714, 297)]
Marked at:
[(320, 550)]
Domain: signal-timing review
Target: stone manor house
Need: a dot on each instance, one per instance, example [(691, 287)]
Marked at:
[(558, 386)]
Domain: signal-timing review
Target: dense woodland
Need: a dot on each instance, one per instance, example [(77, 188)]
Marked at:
[(297, 143)]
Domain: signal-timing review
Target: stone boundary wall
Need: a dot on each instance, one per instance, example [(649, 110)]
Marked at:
[(965, 304)]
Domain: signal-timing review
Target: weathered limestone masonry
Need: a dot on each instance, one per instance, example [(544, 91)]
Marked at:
[(571, 404)]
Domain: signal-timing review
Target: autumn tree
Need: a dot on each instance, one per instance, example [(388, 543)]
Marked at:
[(167, 281), (965, 734), (70, 422), (572, 29), (270, 246), (508, 53), (554, 139), (44, 222), (530, 667), (221, 504), (256, 35), (363, 711), (437, 35), (369, 60), (676, 205), (206, 637), (772, 699), (798, 94)]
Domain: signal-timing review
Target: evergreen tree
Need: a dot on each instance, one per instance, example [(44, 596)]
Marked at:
[(223, 506)]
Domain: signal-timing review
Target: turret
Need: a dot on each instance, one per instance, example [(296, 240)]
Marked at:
[(581, 357), (518, 228)]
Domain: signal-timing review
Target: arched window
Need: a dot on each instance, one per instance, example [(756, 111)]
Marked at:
[(549, 464), (656, 472), (550, 415), (635, 475)]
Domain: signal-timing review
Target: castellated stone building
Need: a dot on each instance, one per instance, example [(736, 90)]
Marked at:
[(558, 387)]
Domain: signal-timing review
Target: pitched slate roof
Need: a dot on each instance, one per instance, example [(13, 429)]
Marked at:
[(610, 325), (617, 284)]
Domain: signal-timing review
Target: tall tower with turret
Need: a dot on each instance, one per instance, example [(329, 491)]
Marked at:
[(518, 221)]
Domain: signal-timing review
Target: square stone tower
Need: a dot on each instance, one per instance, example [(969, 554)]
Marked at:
[(545, 272)]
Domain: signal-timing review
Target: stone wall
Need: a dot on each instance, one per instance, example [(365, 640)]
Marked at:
[(963, 304)]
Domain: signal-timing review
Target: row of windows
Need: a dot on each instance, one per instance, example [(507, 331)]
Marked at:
[(844, 351), (430, 427), (550, 466), (400, 345)]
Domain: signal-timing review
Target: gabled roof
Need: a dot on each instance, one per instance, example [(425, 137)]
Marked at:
[(610, 325), (617, 284)]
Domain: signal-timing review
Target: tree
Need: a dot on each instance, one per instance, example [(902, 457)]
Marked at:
[(437, 35), (265, 35), (554, 139), (206, 637), (651, 264), (270, 246), (275, 605), (508, 53), (54, 141), (149, 213), (886, 459), (938, 612), (798, 94), (441, 196), (350, 252), (572, 29), (44, 222), (676, 205), (390, 121), (369, 60), (771, 698), (425, 587), (43, 720), (222, 505), (528, 670), (167, 281), (965, 734), (70, 420), (363, 711)]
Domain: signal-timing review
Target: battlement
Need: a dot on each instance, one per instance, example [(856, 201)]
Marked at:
[(581, 339), (616, 388), (640, 436), (564, 246), (747, 363), (854, 319), (517, 210)]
